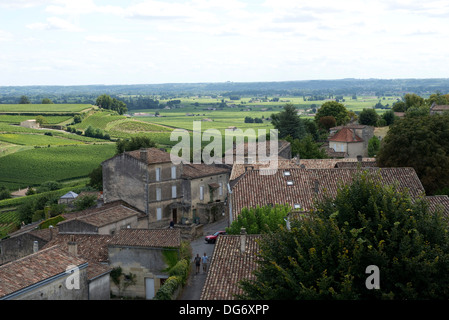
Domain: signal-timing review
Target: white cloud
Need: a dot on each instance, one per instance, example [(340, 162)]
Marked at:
[(105, 39), (22, 4), (5, 36), (55, 23), (81, 7)]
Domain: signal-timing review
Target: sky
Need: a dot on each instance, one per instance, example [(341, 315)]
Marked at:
[(83, 42)]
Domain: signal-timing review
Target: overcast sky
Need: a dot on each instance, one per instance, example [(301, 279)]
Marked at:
[(64, 42)]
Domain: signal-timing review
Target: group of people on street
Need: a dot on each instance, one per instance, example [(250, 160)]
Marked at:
[(201, 260)]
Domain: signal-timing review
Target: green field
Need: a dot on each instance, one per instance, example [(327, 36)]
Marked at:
[(43, 108), (15, 119), (33, 139), (35, 166)]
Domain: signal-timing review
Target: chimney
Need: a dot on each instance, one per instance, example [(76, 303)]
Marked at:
[(51, 232), (73, 246), (143, 155), (35, 246), (242, 240), (353, 135), (298, 159)]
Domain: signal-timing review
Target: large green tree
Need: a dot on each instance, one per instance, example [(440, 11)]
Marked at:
[(421, 143), (106, 102), (335, 109), (367, 224), (288, 123), (135, 143), (368, 117)]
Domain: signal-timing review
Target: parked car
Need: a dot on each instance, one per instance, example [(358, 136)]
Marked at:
[(213, 237)]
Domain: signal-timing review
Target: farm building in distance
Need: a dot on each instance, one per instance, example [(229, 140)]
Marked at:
[(33, 124)]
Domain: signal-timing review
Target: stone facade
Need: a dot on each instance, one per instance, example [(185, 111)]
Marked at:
[(148, 180)]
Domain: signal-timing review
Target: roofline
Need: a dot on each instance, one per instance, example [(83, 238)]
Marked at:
[(39, 284)]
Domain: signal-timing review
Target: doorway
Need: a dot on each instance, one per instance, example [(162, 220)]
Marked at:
[(175, 215)]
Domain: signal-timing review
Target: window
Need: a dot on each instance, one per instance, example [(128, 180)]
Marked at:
[(220, 188), (201, 192), (297, 206), (159, 213), (158, 174), (287, 173), (289, 183), (158, 194), (173, 172), (173, 191)]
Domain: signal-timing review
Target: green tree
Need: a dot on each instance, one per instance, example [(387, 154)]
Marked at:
[(258, 220), (288, 123), (368, 117), (41, 120), (335, 109), (85, 202), (389, 117), (46, 101), (96, 178), (373, 146), (4, 193), (24, 100), (106, 102), (135, 143), (420, 143), (307, 148), (366, 223)]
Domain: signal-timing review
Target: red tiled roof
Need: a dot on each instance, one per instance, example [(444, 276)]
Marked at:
[(229, 265), (254, 189), (91, 247), (440, 202), (158, 238), (440, 107), (193, 171), (105, 215), (34, 268), (239, 169), (345, 135)]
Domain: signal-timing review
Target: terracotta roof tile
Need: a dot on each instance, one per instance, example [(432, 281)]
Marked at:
[(440, 202), (239, 169), (159, 238), (91, 247), (34, 268), (254, 189), (229, 265), (345, 135), (105, 215), (193, 171)]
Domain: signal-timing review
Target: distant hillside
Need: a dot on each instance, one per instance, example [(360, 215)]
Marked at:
[(87, 93)]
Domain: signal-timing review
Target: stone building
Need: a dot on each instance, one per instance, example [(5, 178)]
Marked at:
[(44, 275), (149, 180), (140, 252)]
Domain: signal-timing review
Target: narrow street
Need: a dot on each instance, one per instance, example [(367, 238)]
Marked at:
[(194, 286)]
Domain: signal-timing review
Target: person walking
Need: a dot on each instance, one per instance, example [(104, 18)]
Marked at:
[(197, 261), (204, 259)]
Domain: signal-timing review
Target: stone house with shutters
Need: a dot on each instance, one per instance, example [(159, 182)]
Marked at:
[(148, 180)]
